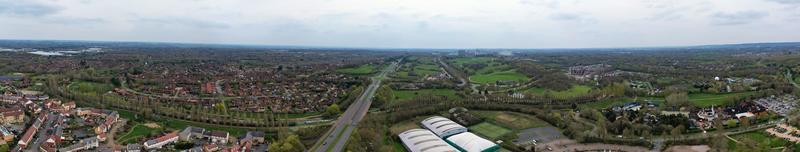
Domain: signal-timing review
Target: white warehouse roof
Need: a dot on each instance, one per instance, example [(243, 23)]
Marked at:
[(421, 140), (472, 143), (442, 126)]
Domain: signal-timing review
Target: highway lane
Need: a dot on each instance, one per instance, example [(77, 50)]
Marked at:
[(348, 121)]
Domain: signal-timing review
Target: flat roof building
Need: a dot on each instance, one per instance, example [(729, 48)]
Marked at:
[(442, 126), (469, 142), (421, 140)]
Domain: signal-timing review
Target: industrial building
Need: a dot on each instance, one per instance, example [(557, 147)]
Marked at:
[(421, 140), (469, 142), (442, 126)]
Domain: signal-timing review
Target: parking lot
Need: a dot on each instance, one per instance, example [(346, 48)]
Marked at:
[(781, 105)]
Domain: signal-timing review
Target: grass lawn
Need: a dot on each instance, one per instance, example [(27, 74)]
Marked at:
[(136, 132), (181, 124), (494, 77), (90, 87), (410, 94), (421, 69), (535, 90), (303, 115), (576, 90), (511, 120), (127, 114), (707, 100), (360, 70), (763, 139), (797, 79), (489, 130), (409, 124)]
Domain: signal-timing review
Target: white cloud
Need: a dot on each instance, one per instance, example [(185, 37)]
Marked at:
[(407, 23)]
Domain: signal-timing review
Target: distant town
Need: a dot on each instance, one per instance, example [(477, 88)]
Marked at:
[(115, 96)]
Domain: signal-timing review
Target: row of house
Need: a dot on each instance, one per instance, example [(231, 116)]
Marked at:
[(215, 140), (31, 131)]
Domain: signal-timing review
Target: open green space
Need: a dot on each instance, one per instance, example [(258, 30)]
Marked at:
[(707, 99), (762, 140), (498, 76), (90, 87), (489, 130), (136, 132), (575, 91), (511, 120), (127, 114), (796, 79), (417, 68), (410, 94), (360, 70)]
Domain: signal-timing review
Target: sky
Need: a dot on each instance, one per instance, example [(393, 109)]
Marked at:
[(408, 23)]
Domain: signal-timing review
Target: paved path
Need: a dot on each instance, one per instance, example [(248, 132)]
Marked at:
[(348, 121), (113, 131)]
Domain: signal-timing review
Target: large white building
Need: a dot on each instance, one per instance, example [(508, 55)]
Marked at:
[(442, 126), (421, 140), (469, 142)]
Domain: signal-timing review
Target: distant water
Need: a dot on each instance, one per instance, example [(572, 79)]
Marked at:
[(66, 53), (43, 53)]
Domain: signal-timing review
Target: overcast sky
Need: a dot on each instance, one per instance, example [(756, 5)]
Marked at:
[(408, 23)]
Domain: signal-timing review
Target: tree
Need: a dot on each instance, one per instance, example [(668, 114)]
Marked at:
[(678, 99), (332, 111), (731, 123), (289, 144)]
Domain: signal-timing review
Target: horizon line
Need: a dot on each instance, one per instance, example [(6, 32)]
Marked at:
[(395, 48)]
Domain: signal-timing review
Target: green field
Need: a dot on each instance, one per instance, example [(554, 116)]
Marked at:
[(511, 120), (360, 70), (796, 79), (497, 76), (575, 91), (762, 139), (90, 87), (707, 100), (136, 132), (489, 130), (410, 94), (127, 114), (420, 66)]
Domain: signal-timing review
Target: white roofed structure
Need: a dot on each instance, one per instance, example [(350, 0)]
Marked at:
[(470, 142), (421, 140), (442, 126)]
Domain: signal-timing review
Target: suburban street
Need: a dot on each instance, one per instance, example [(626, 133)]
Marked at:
[(340, 132)]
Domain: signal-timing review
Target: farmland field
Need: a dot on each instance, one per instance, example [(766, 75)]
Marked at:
[(497, 76), (707, 100), (360, 70)]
